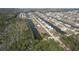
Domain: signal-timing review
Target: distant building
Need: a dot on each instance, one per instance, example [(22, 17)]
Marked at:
[(21, 16), (77, 24), (67, 25)]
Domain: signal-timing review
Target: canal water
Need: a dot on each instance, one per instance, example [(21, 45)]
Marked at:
[(35, 31)]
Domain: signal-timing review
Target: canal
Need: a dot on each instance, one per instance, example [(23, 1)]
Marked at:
[(34, 30)]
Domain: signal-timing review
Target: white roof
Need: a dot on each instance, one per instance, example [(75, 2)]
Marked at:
[(63, 28), (77, 24), (67, 25)]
